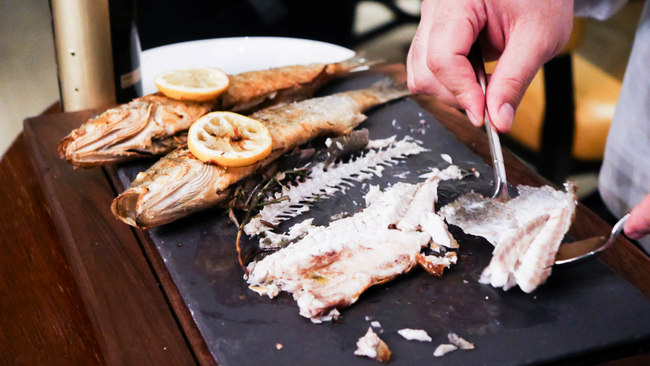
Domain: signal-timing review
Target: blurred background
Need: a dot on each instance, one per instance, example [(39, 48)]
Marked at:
[(382, 29)]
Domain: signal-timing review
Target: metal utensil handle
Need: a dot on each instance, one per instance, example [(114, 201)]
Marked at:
[(475, 57), (617, 229)]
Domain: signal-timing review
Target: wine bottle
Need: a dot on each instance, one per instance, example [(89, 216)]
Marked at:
[(97, 52)]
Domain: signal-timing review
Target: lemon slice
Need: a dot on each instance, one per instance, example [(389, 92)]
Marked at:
[(229, 139), (199, 84)]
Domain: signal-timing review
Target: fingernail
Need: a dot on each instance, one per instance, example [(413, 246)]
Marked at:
[(506, 116), (472, 118)]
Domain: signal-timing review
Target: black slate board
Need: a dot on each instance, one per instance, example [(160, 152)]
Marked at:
[(580, 310)]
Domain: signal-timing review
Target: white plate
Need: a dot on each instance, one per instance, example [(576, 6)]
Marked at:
[(236, 55)]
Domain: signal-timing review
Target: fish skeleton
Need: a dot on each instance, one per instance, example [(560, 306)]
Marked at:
[(331, 266), (526, 232), (324, 181), (179, 183), (155, 124)]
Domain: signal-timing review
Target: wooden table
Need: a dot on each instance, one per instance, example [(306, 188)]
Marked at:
[(112, 304)]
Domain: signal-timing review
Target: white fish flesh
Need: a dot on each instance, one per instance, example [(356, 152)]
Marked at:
[(415, 334), (460, 342), (371, 346), (434, 264), (332, 265), (443, 349), (526, 232)]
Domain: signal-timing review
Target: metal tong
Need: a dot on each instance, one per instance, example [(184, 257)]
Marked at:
[(475, 57)]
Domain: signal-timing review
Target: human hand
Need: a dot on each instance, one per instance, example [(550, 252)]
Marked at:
[(638, 225), (522, 34)]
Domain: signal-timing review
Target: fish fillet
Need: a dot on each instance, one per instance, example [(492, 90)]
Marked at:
[(333, 265), (179, 184), (526, 232)]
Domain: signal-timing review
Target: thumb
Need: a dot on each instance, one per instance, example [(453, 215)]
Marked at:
[(515, 70), (638, 225)]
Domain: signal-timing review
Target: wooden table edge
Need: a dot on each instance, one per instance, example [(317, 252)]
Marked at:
[(101, 315)]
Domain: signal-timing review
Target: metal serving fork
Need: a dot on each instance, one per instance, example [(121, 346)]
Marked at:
[(475, 57)]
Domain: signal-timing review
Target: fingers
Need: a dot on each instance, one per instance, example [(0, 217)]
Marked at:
[(437, 61), (638, 225), (531, 39), (447, 58), (515, 70), (419, 78), (528, 33)]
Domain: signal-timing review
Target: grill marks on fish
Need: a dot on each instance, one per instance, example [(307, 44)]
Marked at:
[(179, 184), (155, 124), (526, 231), (333, 265), (506, 255)]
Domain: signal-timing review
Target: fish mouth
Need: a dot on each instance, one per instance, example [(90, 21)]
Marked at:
[(125, 206), (117, 153)]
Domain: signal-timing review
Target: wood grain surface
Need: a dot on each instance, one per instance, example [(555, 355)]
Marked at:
[(131, 317), (42, 317)]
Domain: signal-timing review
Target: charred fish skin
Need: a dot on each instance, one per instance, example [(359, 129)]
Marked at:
[(261, 89), (155, 124), (150, 125), (179, 184)]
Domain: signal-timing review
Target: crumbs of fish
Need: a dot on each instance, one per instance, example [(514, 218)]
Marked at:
[(371, 346)]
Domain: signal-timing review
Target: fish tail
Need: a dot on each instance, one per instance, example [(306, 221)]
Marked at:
[(383, 91), (387, 89), (358, 62)]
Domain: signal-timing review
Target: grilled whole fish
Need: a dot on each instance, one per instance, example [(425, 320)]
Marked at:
[(155, 124), (180, 184)]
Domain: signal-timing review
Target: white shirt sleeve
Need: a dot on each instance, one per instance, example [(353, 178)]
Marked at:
[(625, 173), (599, 9)]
